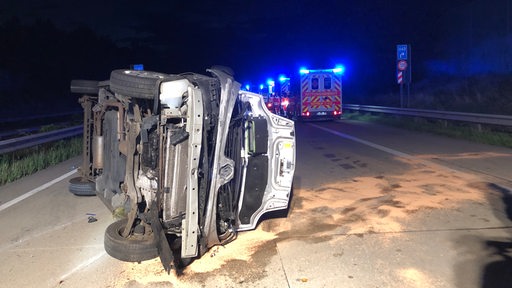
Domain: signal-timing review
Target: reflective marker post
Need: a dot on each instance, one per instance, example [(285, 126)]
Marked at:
[(401, 67), (403, 70)]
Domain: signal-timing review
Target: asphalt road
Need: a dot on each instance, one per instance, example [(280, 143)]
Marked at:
[(372, 206)]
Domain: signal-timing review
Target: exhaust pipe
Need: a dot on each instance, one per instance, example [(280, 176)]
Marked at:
[(97, 148)]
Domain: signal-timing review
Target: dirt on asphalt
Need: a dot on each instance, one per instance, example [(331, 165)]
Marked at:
[(362, 205)]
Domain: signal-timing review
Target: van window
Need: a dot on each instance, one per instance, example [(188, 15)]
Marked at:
[(314, 84), (327, 83)]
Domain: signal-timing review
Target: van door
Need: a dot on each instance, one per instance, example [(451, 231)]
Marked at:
[(270, 163)]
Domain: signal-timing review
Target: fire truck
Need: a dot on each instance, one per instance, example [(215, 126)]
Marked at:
[(320, 93), (279, 98)]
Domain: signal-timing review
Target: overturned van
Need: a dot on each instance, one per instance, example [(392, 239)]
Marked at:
[(186, 161)]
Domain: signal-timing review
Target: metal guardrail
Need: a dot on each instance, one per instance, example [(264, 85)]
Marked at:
[(37, 117), (503, 120), (14, 144)]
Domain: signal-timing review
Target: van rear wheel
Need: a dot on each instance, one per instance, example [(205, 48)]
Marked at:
[(136, 84), (82, 187)]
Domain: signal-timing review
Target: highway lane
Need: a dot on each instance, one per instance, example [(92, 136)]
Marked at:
[(47, 235), (373, 206), (430, 211), (450, 152)]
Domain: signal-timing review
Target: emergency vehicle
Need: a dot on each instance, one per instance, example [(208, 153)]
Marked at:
[(278, 100), (320, 93)]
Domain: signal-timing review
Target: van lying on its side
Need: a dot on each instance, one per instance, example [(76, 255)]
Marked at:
[(186, 160)]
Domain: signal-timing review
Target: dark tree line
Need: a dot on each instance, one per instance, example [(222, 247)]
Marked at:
[(38, 61)]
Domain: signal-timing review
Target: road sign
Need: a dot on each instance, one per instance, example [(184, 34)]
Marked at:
[(403, 70), (402, 65), (401, 52)]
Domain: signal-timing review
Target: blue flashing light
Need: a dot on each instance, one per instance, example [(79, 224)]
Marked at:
[(271, 82), (138, 67), (262, 86), (248, 87), (283, 78), (340, 69)]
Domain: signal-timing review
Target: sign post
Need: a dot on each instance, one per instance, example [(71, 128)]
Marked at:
[(403, 70)]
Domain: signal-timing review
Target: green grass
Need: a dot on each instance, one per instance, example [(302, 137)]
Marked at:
[(483, 134), (18, 164), (48, 128)]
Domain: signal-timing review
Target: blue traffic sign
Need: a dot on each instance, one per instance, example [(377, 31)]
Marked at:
[(401, 52)]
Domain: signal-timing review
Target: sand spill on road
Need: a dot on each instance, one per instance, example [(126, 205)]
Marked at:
[(415, 279), (235, 261), (381, 203), (378, 204)]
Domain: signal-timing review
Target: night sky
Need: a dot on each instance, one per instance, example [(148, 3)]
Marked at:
[(253, 37), (260, 39)]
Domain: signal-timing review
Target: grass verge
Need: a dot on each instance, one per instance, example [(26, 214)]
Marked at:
[(482, 134), (18, 164)]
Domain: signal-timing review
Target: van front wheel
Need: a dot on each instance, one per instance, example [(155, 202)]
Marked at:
[(134, 248)]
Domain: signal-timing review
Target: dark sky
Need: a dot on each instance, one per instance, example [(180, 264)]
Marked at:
[(255, 38)]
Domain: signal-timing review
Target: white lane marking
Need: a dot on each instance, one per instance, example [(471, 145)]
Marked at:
[(83, 265), (36, 190), (386, 149), (368, 143)]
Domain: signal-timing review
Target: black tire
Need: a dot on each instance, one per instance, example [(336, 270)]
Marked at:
[(81, 187), (89, 87), (136, 84), (128, 249)]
